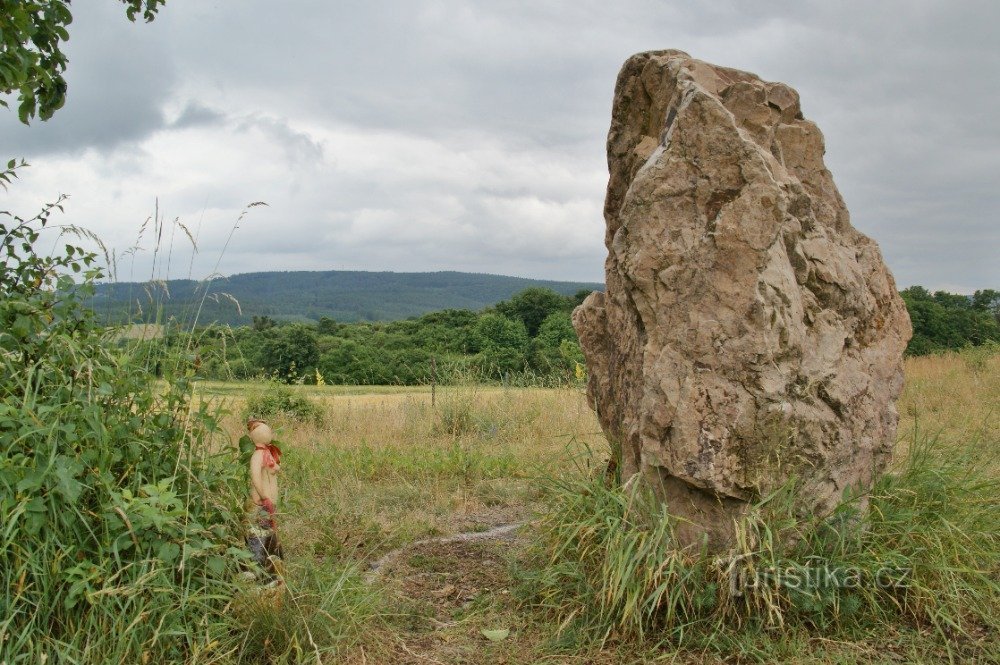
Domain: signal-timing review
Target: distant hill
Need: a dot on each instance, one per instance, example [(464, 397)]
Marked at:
[(302, 296)]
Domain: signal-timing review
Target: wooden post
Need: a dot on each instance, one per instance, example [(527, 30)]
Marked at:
[(434, 376)]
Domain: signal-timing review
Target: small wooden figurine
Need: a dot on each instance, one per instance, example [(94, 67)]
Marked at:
[(265, 463)]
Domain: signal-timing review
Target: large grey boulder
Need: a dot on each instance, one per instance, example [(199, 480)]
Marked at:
[(749, 334)]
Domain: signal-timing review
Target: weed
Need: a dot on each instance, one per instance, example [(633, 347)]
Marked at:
[(121, 522), (979, 358)]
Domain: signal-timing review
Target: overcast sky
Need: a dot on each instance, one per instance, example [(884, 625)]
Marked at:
[(448, 135)]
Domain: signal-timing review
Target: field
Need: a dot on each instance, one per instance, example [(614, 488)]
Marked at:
[(385, 469)]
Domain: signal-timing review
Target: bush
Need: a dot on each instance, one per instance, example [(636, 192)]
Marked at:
[(120, 520), (943, 320), (289, 353), (502, 345), (280, 401)]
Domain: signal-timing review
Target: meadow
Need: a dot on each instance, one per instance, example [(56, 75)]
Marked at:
[(377, 471)]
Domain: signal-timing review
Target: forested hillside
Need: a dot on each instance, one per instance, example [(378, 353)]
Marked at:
[(345, 296)]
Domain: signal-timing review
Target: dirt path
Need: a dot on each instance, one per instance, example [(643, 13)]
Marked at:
[(448, 590), (502, 531)]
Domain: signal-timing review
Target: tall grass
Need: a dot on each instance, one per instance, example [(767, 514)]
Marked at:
[(120, 524), (323, 610), (120, 494), (923, 561)]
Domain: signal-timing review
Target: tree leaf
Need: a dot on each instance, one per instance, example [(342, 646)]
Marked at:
[(168, 552), (497, 635)]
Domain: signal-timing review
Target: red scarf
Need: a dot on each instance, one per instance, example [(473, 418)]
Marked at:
[(272, 455)]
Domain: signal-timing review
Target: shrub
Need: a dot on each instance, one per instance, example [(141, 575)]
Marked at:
[(120, 523), (289, 353), (275, 400)]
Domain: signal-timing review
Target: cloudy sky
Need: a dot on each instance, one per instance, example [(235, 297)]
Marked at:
[(415, 135)]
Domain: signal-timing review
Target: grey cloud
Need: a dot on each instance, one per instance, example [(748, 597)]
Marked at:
[(197, 115), (119, 77), (298, 145), (512, 101)]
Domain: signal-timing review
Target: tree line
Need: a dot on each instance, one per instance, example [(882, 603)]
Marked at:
[(945, 321), (529, 335)]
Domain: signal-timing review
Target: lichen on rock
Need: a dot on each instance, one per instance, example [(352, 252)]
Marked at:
[(748, 334)]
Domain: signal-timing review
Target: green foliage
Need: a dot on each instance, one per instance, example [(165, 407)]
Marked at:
[(977, 358), (276, 400), (289, 353), (261, 323), (987, 301), (502, 344), (447, 346), (555, 347), (31, 59), (531, 306), (120, 517), (326, 326), (332, 606), (580, 296), (922, 559), (454, 343), (374, 361), (943, 321)]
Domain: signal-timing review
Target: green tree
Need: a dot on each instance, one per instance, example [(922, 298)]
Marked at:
[(532, 305), (549, 353), (356, 362), (261, 323), (326, 326), (503, 345), (945, 320), (987, 300), (580, 296), (31, 59), (290, 353)]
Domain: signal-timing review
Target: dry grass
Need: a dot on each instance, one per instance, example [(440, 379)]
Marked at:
[(954, 394), (385, 468)]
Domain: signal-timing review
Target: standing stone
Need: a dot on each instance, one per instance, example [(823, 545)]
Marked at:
[(749, 334)]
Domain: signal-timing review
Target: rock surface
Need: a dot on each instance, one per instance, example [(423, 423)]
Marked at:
[(749, 334)]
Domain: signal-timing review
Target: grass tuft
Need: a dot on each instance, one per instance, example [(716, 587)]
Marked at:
[(923, 560)]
